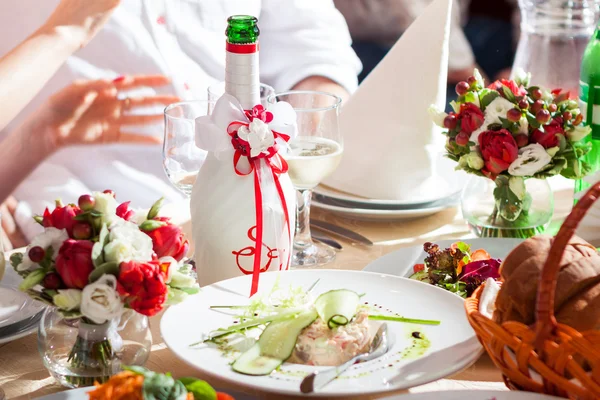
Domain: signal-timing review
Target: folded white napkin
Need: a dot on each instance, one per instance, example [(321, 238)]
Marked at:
[(487, 301), (391, 145)]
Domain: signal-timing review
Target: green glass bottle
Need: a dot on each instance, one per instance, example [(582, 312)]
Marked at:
[(589, 97), (241, 63)]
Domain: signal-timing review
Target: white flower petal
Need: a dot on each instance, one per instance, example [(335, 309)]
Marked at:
[(437, 115), (107, 205), (128, 243), (531, 159), (100, 301)]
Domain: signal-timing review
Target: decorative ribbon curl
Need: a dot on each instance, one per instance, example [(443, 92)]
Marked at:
[(258, 119)]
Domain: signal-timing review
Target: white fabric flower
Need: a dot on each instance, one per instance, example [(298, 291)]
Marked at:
[(578, 132), (100, 301), (531, 159), (51, 237), (496, 109), (127, 243), (67, 299), (258, 135), (437, 115), (107, 205)]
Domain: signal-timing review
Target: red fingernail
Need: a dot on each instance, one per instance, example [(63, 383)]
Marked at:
[(119, 78)]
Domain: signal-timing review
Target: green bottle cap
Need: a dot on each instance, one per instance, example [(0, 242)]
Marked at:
[(242, 29)]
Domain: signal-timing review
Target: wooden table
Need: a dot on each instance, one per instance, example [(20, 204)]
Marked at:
[(23, 376)]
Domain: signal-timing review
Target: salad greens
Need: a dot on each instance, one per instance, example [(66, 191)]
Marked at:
[(457, 269)]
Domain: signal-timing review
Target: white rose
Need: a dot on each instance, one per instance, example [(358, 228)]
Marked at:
[(522, 77), (107, 205), (258, 135), (100, 301), (127, 243), (51, 237), (473, 160), (531, 159), (578, 132), (437, 115), (67, 299), (496, 109)]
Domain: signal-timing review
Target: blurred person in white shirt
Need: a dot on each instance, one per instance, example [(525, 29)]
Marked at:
[(305, 44)]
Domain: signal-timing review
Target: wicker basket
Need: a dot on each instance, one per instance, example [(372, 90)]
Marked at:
[(546, 357)]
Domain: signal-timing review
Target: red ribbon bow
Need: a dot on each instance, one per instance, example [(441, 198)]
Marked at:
[(277, 166)]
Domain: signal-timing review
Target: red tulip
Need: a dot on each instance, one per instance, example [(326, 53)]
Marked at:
[(144, 285), (512, 85), (61, 218), (549, 137), (498, 149), (168, 240), (124, 212), (74, 263), (471, 117)]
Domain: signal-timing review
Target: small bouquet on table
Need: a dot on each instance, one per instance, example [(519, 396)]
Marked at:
[(102, 266), (514, 136)]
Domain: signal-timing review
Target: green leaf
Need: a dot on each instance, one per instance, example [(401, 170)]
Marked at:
[(532, 120), (510, 96), (463, 247), (109, 268), (508, 204), (159, 386), (153, 213), (71, 314), (200, 389), (32, 279), (16, 259), (96, 214), (39, 219), (39, 296), (97, 250), (84, 216), (47, 261), (150, 225), (486, 96)]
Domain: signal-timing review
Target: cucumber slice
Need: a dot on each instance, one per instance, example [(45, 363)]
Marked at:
[(337, 307), (275, 345)]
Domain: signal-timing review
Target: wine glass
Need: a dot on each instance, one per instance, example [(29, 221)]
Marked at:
[(313, 155), (218, 89), (182, 159)]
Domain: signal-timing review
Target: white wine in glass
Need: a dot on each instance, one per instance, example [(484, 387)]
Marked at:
[(312, 159), (312, 155)]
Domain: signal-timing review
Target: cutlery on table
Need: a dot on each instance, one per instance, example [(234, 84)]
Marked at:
[(328, 241), (379, 346), (340, 231)]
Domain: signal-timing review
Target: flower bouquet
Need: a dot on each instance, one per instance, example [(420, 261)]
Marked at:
[(510, 132), (100, 264)]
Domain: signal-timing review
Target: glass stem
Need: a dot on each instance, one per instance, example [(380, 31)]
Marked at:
[(302, 238)]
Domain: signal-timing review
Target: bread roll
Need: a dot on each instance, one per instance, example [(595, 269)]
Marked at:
[(576, 302)]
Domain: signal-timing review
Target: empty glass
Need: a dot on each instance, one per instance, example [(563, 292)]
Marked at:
[(182, 159), (554, 34), (215, 91), (312, 156)]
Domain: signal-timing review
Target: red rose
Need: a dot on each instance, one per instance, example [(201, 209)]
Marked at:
[(471, 117), (498, 149), (549, 137), (61, 218), (512, 85), (74, 262), (144, 285), (124, 212), (168, 240)]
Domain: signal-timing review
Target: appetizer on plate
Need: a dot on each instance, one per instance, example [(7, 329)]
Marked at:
[(457, 269), (295, 328), (137, 383)]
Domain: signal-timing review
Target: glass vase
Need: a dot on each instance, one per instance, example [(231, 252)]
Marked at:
[(78, 353), (492, 209), (554, 34)]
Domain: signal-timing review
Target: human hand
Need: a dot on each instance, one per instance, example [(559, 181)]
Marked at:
[(89, 112), (11, 235), (83, 18)]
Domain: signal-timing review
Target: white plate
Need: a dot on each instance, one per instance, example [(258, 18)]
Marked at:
[(381, 215), (453, 343), (401, 261), (16, 308), (473, 395), (81, 394)]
